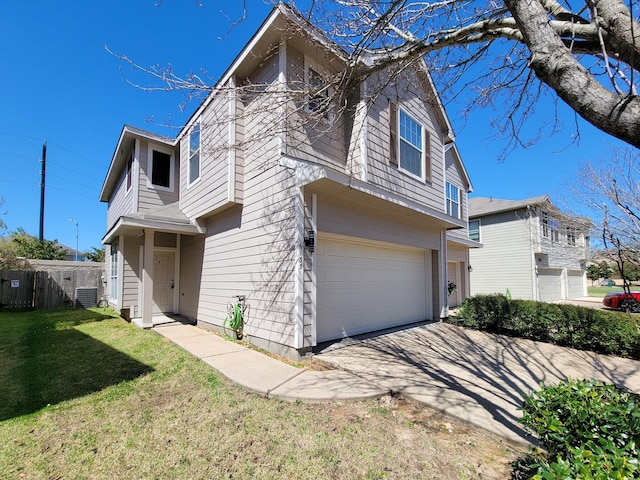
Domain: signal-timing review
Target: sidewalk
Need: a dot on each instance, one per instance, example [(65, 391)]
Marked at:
[(266, 375)]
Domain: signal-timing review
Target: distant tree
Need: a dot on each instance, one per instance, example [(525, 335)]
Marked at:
[(3, 226), (605, 270), (96, 254), (593, 273), (610, 190), (28, 246), (9, 260), (631, 272)]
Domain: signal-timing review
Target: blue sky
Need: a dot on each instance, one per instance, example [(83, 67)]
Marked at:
[(58, 83)]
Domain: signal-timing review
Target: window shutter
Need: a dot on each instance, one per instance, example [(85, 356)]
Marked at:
[(393, 133), (427, 155)]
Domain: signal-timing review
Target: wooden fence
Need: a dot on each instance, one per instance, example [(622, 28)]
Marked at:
[(20, 290)]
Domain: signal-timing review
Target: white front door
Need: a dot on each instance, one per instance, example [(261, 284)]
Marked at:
[(163, 281)]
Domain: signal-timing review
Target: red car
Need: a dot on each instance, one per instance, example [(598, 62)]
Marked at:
[(627, 302)]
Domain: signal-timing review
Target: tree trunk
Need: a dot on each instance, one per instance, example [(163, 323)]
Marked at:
[(553, 63)]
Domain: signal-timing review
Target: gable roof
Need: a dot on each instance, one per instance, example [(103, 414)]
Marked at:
[(481, 206), (285, 18)]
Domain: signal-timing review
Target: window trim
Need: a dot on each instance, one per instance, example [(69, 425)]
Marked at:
[(172, 166), (128, 172), (469, 229), (402, 111), (191, 154), (113, 271), (449, 201), (571, 235), (327, 110)]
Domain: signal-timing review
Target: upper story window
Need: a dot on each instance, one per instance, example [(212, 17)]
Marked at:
[(474, 230), (571, 236), (453, 200), (319, 91), (194, 154), (161, 166), (549, 227), (129, 172), (410, 144)]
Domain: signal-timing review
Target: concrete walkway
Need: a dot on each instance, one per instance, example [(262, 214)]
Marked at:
[(473, 376)]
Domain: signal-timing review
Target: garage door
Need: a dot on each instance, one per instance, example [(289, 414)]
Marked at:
[(364, 287), (575, 280), (550, 284)]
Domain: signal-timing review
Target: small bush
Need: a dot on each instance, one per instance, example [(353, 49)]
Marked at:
[(590, 429), (583, 328)]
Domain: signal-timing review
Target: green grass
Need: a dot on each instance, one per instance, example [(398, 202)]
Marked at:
[(87, 395), (597, 291)]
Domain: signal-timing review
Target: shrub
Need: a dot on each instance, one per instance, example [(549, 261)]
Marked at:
[(589, 428), (485, 312), (583, 328)]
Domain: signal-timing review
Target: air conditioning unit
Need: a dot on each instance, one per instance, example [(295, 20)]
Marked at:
[(86, 297)]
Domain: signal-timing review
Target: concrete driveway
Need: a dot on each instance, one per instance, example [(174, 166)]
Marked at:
[(473, 376)]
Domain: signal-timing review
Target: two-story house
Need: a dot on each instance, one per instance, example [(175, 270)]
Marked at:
[(331, 213), (530, 249)]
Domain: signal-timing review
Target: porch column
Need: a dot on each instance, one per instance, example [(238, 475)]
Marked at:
[(442, 270), (147, 279)]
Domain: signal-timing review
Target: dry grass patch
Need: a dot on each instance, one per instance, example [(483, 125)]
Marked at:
[(180, 419)]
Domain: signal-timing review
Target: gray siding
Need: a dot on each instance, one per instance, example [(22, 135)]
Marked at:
[(408, 93), (150, 198), (131, 274), (210, 191), (249, 249), (336, 215), (316, 139), (120, 203), (454, 176), (505, 260), (191, 257)]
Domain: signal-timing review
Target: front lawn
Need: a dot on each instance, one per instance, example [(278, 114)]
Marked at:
[(84, 394), (597, 291)]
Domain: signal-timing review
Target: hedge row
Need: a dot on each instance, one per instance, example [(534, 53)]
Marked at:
[(601, 331), (591, 430)]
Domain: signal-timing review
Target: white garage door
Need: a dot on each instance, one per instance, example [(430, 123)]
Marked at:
[(364, 287), (576, 283), (550, 284)]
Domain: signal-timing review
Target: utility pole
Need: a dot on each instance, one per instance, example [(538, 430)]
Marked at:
[(42, 182)]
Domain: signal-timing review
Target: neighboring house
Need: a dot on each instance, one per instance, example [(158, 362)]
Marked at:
[(529, 249), (331, 227), (70, 254)]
